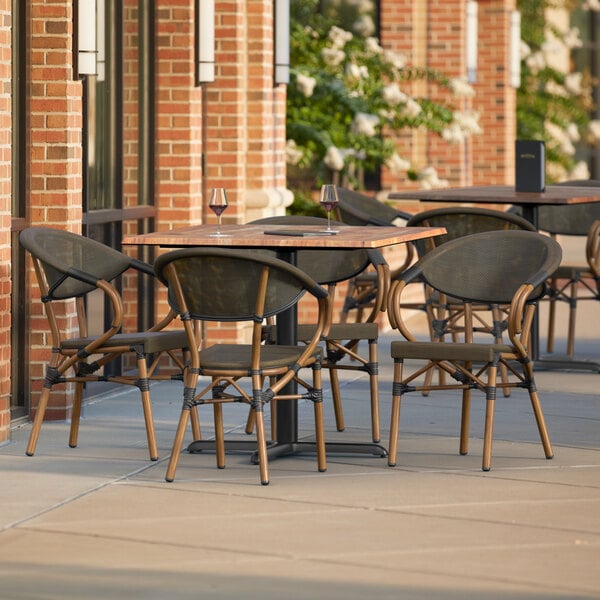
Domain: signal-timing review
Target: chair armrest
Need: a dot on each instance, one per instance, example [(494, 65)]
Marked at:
[(592, 250)]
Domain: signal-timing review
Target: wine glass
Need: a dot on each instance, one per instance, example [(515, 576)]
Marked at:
[(218, 203), (329, 200)]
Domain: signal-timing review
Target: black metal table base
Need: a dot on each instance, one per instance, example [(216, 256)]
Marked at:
[(557, 363), (283, 449)]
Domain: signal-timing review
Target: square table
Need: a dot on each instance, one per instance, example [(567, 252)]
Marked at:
[(506, 194), (309, 237), (529, 202)]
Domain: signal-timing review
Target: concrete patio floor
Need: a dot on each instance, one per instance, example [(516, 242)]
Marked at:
[(99, 521)]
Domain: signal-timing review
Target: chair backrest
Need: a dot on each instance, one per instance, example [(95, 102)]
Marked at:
[(70, 263), (355, 208), (489, 267), (332, 266), (462, 221), (219, 284)]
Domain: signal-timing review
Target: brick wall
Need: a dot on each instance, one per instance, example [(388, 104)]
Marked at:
[(56, 161), (5, 215)]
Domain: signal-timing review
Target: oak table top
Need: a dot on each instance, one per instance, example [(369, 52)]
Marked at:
[(505, 194), (254, 236)]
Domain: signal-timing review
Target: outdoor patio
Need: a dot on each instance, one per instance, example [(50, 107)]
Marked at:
[(99, 521)]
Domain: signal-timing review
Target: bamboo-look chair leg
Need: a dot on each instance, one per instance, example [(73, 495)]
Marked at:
[(144, 386), (250, 421), (195, 421), (395, 418), (337, 400), (490, 404), (37, 422), (465, 422), (541, 423), (374, 389), (261, 444), (177, 444), (76, 415), (319, 425), (219, 434)]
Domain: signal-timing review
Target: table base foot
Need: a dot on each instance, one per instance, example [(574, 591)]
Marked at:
[(548, 363), (283, 449)]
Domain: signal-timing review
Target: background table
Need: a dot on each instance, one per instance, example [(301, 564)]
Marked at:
[(254, 236), (506, 194), (529, 202)]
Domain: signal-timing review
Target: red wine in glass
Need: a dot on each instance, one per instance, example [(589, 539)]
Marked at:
[(329, 200), (218, 203)]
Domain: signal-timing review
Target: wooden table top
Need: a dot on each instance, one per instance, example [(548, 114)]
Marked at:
[(504, 194), (254, 235)]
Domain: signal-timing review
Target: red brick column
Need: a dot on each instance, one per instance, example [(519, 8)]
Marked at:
[(56, 161), (5, 216), (493, 152)]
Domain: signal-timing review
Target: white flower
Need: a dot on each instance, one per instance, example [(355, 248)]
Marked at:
[(556, 171), (334, 159), (573, 132), (396, 59), (372, 45), (594, 129), (357, 71), (556, 89), (305, 84), (396, 164), (393, 95), (461, 89), (572, 39), (339, 37), (573, 82), (411, 109), (365, 124), (591, 5), (364, 26), (551, 47), (536, 62), (467, 120), (292, 154), (559, 138), (429, 179), (580, 171), (524, 50), (332, 56), (453, 133)]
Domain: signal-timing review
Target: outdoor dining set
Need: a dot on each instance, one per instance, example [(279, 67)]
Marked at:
[(478, 275)]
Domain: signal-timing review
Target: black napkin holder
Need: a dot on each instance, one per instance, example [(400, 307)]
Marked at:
[(530, 166)]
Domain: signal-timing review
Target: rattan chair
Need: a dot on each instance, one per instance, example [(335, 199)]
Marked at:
[(69, 267), (222, 285), (342, 339), (577, 280), (445, 318), (355, 208), (497, 267)]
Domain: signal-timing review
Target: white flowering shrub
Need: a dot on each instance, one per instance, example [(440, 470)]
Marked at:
[(348, 100), (554, 103)]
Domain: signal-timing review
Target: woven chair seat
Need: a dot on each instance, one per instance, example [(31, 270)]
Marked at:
[(342, 331), (151, 341), (235, 357), (450, 351)]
